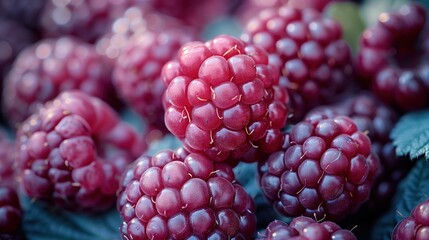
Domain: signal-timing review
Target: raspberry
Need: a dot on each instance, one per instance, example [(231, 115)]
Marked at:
[(13, 38), (87, 20), (305, 228), (325, 169), (72, 151), (182, 195), (49, 67), (308, 49), (415, 226), (222, 98), (390, 57), (10, 212), (137, 71), (23, 11), (377, 120)]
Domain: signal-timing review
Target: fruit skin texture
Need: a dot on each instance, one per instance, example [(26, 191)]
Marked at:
[(182, 195), (222, 98), (325, 170), (391, 58), (314, 61), (305, 228), (72, 151), (49, 67), (137, 71), (10, 212), (414, 227)]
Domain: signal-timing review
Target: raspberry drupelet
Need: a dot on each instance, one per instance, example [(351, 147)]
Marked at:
[(309, 52), (222, 98), (325, 170), (305, 228), (48, 67), (72, 151), (416, 226), (182, 195)]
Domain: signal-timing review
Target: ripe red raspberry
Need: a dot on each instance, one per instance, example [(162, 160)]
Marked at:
[(391, 58), (376, 119), (72, 151), (49, 67), (325, 169), (415, 226), (222, 98), (305, 228), (181, 195), (137, 71), (10, 212), (308, 49)]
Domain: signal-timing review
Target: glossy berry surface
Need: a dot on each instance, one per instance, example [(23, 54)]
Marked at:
[(72, 151), (325, 170), (391, 58), (137, 71), (309, 52), (49, 67), (181, 195), (414, 227), (305, 228), (222, 98), (10, 212)]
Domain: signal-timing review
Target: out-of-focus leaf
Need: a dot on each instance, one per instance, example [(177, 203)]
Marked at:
[(411, 135), (372, 8), (348, 14), (413, 190), (44, 222)]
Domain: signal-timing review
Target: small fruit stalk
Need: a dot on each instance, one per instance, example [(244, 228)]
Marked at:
[(182, 195), (305, 228), (325, 170), (308, 50), (391, 58), (72, 151), (222, 98), (415, 226)]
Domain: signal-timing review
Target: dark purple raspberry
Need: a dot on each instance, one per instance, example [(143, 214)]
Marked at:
[(414, 227), (13, 38), (181, 195), (23, 11), (10, 212), (49, 67), (222, 98), (137, 71), (305, 228), (325, 170), (87, 20), (308, 49), (376, 119), (392, 52), (72, 151)]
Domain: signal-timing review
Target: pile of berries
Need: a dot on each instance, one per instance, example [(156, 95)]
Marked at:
[(285, 95)]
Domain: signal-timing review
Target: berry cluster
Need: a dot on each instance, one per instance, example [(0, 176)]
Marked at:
[(222, 98), (10, 212), (325, 169), (415, 226), (182, 195), (72, 151), (308, 49), (391, 58), (305, 228)]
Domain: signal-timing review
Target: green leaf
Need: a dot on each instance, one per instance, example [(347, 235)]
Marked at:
[(44, 222), (411, 135), (348, 14), (371, 9), (413, 190)]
